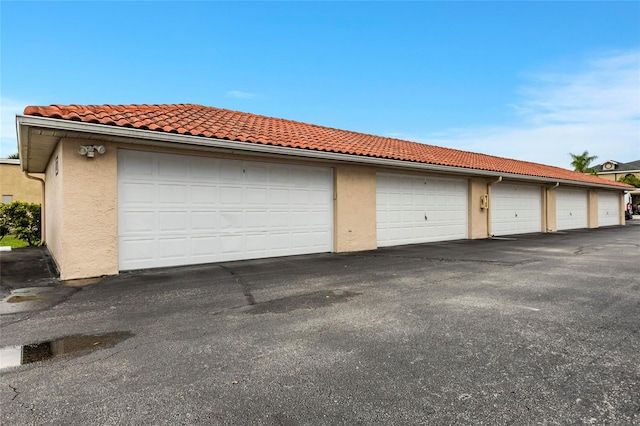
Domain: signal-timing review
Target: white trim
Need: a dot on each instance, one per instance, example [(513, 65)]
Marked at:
[(10, 161), (143, 136)]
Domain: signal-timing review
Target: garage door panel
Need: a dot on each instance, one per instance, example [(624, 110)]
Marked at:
[(171, 248), (203, 169), (414, 209), (318, 197), (137, 222), (231, 220), (608, 209), (231, 243), (171, 169), (279, 197), (571, 209), (255, 173), (316, 178), (173, 221), (257, 196), (231, 171), (257, 243), (231, 195), (317, 239), (279, 177), (137, 166), (203, 194), (183, 210), (204, 221), (515, 209), (302, 197), (172, 194), (138, 250), (140, 193), (300, 219)]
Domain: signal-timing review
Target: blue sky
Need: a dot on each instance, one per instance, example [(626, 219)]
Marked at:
[(526, 80)]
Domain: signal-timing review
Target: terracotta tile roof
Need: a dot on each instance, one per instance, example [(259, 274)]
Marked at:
[(209, 122)]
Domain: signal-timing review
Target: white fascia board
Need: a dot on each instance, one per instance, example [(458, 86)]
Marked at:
[(12, 161), (22, 132), (140, 136)]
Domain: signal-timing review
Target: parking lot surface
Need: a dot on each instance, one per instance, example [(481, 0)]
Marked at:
[(535, 329)]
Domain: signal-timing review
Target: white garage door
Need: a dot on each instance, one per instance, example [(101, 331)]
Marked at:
[(180, 210), (515, 209), (571, 209), (413, 209), (608, 209)]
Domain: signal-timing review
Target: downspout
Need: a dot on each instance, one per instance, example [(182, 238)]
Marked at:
[(42, 207), (546, 206), (489, 233)]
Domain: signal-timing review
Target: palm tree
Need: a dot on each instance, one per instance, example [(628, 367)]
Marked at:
[(15, 156), (581, 163)]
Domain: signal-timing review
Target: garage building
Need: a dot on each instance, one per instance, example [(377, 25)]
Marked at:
[(142, 186)]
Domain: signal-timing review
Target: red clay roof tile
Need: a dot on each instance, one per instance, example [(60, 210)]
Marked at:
[(220, 123)]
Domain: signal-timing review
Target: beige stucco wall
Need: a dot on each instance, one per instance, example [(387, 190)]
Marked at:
[(549, 210), (478, 216), (617, 175), (355, 208), (14, 182), (82, 231), (53, 206), (622, 208)]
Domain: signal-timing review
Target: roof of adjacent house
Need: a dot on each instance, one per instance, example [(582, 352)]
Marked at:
[(218, 123), (633, 166)]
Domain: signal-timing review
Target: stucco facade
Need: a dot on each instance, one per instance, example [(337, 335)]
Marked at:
[(614, 170), (82, 206), (478, 208), (592, 209), (355, 208), (615, 176), (81, 214), (14, 185), (82, 209), (549, 217)]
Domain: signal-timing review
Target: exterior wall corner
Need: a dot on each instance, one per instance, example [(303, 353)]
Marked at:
[(84, 226)]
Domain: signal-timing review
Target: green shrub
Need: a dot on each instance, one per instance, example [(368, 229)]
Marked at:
[(22, 220)]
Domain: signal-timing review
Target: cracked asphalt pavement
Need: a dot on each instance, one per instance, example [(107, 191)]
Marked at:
[(541, 329)]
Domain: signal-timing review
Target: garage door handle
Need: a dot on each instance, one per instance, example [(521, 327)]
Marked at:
[(425, 217)]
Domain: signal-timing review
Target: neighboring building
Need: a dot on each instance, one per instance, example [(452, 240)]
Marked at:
[(143, 186), (615, 170), (15, 186)]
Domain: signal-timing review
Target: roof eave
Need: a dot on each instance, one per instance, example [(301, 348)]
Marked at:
[(22, 134), (149, 137)]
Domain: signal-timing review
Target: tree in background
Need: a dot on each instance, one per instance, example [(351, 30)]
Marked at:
[(582, 162), (15, 156), (23, 220), (631, 180)]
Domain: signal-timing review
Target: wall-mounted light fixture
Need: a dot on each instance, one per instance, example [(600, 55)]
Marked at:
[(90, 150)]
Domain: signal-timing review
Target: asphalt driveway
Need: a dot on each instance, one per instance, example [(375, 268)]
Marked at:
[(540, 329)]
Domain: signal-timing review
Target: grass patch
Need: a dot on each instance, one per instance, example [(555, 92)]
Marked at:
[(13, 242)]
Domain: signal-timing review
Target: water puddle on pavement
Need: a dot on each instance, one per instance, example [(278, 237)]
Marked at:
[(69, 346)]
